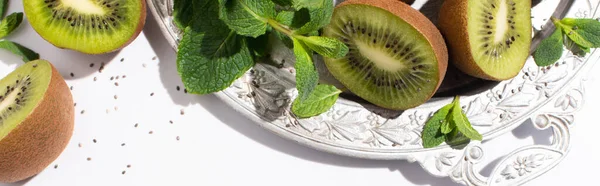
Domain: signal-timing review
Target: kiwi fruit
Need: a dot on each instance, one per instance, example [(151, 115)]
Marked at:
[(36, 120), (87, 26), (488, 39), (397, 58)]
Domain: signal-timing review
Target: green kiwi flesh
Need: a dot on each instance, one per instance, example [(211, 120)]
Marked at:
[(389, 63), (88, 26), (20, 92)]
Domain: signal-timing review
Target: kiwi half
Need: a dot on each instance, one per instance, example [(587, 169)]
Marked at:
[(397, 57), (36, 120), (489, 39), (88, 26)]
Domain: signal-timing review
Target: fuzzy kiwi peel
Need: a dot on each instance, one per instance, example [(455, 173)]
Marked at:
[(87, 26), (36, 120), (397, 58), (488, 39)]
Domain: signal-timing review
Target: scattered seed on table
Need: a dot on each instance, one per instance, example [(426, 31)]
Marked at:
[(150, 132), (80, 145), (117, 77), (91, 65), (122, 59), (178, 88), (74, 104), (71, 87), (154, 58), (95, 78), (182, 112), (123, 172), (112, 78), (129, 166), (185, 90), (136, 125), (171, 121), (82, 111), (117, 84), (56, 166), (144, 65), (89, 159), (94, 140), (122, 144), (177, 138), (116, 97), (124, 76), (72, 75), (152, 94), (116, 108)]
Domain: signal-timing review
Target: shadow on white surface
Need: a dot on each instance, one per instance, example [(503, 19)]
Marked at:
[(527, 130), (169, 77)]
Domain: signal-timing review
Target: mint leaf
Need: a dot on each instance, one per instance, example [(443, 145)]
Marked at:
[(432, 135), (320, 12), (312, 4), (321, 100), (15, 48), (575, 48), (183, 13), (10, 23), (328, 47), (283, 2), (247, 17), (3, 7), (462, 123), (550, 49), (447, 125), (211, 56), (293, 20), (585, 32), (306, 74), (455, 138)]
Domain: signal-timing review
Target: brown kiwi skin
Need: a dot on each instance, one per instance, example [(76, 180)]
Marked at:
[(453, 22), (137, 32), (35, 143), (419, 22)]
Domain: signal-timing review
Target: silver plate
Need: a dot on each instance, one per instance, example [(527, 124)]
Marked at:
[(548, 96)]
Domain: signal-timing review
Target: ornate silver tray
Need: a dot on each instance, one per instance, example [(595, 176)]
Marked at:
[(548, 96)]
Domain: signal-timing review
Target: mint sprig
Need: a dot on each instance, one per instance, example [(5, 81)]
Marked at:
[(211, 56), (223, 39), (577, 35), (8, 25), (449, 124)]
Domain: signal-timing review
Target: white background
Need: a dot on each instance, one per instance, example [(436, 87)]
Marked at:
[(217, 146)]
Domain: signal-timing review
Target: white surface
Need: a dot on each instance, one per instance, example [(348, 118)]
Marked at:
[(218, 146)]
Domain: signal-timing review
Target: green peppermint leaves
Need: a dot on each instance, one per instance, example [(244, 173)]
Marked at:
[(211, 56), (577, 35), (448, 124), (247, 17), (322, 98), (223, 39), (9, 24)]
